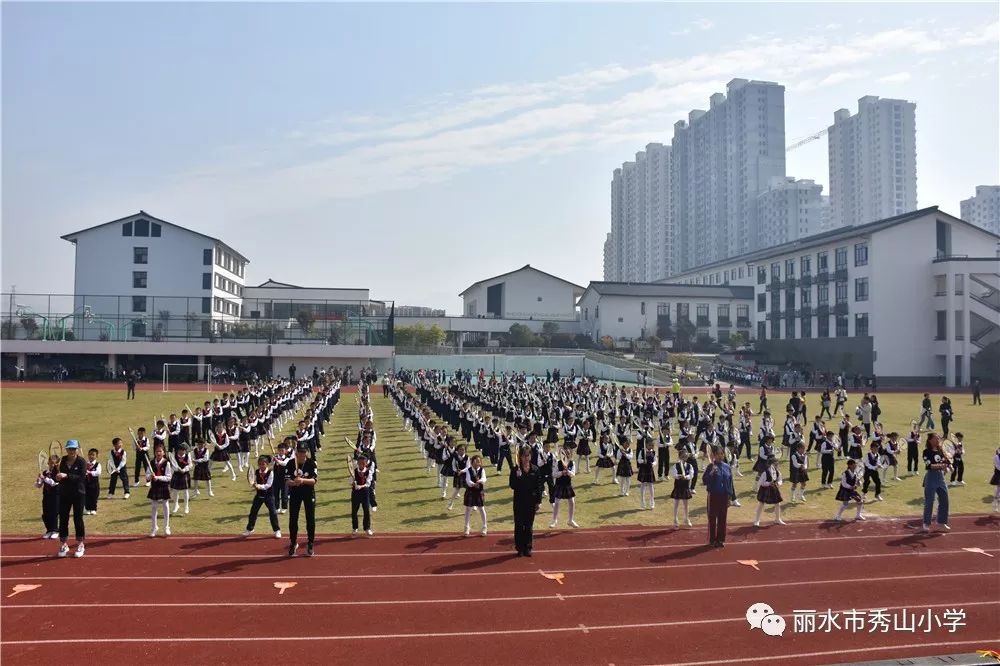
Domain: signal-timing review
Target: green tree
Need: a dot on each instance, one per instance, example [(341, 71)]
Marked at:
[(738, 339), (520, 335), (305, 318), (684, 335), (30, 326)]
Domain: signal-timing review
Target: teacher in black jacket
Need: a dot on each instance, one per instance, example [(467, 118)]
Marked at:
[(72, 471), (526, 482)]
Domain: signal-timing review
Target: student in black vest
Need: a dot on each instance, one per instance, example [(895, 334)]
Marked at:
[(526, 482), (263, 495)]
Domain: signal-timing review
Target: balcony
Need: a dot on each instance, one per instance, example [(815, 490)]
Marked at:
[(791, 283), (841, 274), (822, 278), (724, 322), (774, 285), (742, 322), (840, 309), (702, 321), (823, 310), (774, 314), (806, 280), (805, 311)]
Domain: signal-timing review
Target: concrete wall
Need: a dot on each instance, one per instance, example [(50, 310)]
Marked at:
[(636, 324), (526, 293), (536, 365), (477, 325)]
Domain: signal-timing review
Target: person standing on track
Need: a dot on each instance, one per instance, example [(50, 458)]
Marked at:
[(72, 471), (934, 484), (302, 491), (718, 480), (526, 482)]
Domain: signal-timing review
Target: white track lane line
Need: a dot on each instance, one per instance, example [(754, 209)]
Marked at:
[(542, 597), (679, 565), (548, 551), (450, 634), (981, 644)]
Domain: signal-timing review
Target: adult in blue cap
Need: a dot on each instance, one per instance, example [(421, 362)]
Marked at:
[(72, 472)]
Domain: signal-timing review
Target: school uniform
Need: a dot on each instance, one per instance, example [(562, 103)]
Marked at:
[(797, 472), (50, 500), (527, 487), (173, 436), (764, 452), (202, 466), (624, 462), (181, 478), (855, 446), (564, 483), (826, 452), (645, 459), (768, 492), (458, 465), (92, 486), (475, 482), (196, 427), (360, 483), (872, 473), (159, 487), (682, 473), (958, 465), (142, 459), (278, 488), (913, 452), (847, 492), (221, 451), (583, 446), (118, 469), (263, 482)]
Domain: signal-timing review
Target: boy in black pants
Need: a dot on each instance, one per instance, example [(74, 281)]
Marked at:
[(92, 483), (118, 467), (301, 474), (263, 480), (278, 488), (873, 472), (360, 499), (664, 444)]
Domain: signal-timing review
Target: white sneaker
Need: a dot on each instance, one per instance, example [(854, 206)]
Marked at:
[(642, 506), (945, 527), (676, 525), (196, 493), (961, 483), (79, 550), (369, 533), (374, 509), (802, 499), (277, 535), (688, 523), (354, 531), (451, 506), (756, 523), (63, 550), (896, 478), (573, 523), (247, 533), (47, 535), (837, 519), (878, 498), (552, 525), (152, 532), (652, 505), (925, 528), (127, 495), (779, 521), (861, 517), (483, 532), (166, 531), (736, 502), (187, 510)]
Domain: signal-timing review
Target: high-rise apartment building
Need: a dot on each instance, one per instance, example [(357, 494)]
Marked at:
[(873, 161), (790, 209), (983, 210)]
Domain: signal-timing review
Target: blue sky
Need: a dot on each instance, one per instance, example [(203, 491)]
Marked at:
[(417, 148)]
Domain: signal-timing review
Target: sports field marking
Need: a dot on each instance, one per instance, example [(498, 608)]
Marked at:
[(679, 565), (453, 634), (547, 551), (539, 597)]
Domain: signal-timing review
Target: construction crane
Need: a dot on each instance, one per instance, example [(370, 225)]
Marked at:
[(808, 139)]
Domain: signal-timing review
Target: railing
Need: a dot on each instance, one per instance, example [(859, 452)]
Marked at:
[(986, 294), (840, 309), (790, 283), (140, 318), (806, 280), (703, 321), (822, 277), (742, 322), (724, 322), (840, 275)]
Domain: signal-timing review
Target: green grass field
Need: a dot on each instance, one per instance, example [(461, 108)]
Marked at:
[(408, 499)]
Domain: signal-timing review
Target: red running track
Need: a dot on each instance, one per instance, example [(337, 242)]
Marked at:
[(629, 596)]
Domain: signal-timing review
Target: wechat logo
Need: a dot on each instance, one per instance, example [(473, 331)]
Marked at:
[(762, 616)]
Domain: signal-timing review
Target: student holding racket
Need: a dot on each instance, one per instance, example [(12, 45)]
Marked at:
[(48, 467), (261, 479)]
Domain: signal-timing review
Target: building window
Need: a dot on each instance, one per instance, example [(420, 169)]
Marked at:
[(805, 267), (138, 279), (943, 238), (127, 229), (140, 255), (806, 328), (789, 329), (823, 295), (761, 275), (775, 271), (218, 305), (861, 254), (861, 289), (841, 327), (841, 291), (206, 256), (156, 230), (597, 312), (138, 304), (841, 258), (775, 329), (823, 327), (743, 313), (206, 305), (761, 302), (942, 325), (722, 311), (663, 309), (621, 320), (642, 307), (805, 297), (822, 262), (761, 331), (741, 272), (861, 324), (586, 314), (789, 268), (142, 227), (959, 284), (789, 300), (684, 312), (206, 280), (138, 328)]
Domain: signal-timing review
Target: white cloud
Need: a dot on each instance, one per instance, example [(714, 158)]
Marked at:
[(439, 138), (697, 24), (899, 77)]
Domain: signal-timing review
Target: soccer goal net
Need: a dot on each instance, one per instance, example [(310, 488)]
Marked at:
[(187, 373)]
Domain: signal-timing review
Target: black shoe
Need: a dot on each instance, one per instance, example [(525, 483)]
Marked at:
[(720, 544), (310, 551), (520, 553), (292, 548), (527, 553)]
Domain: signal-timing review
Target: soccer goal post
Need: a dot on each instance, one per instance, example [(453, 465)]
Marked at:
[(187, 373)]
